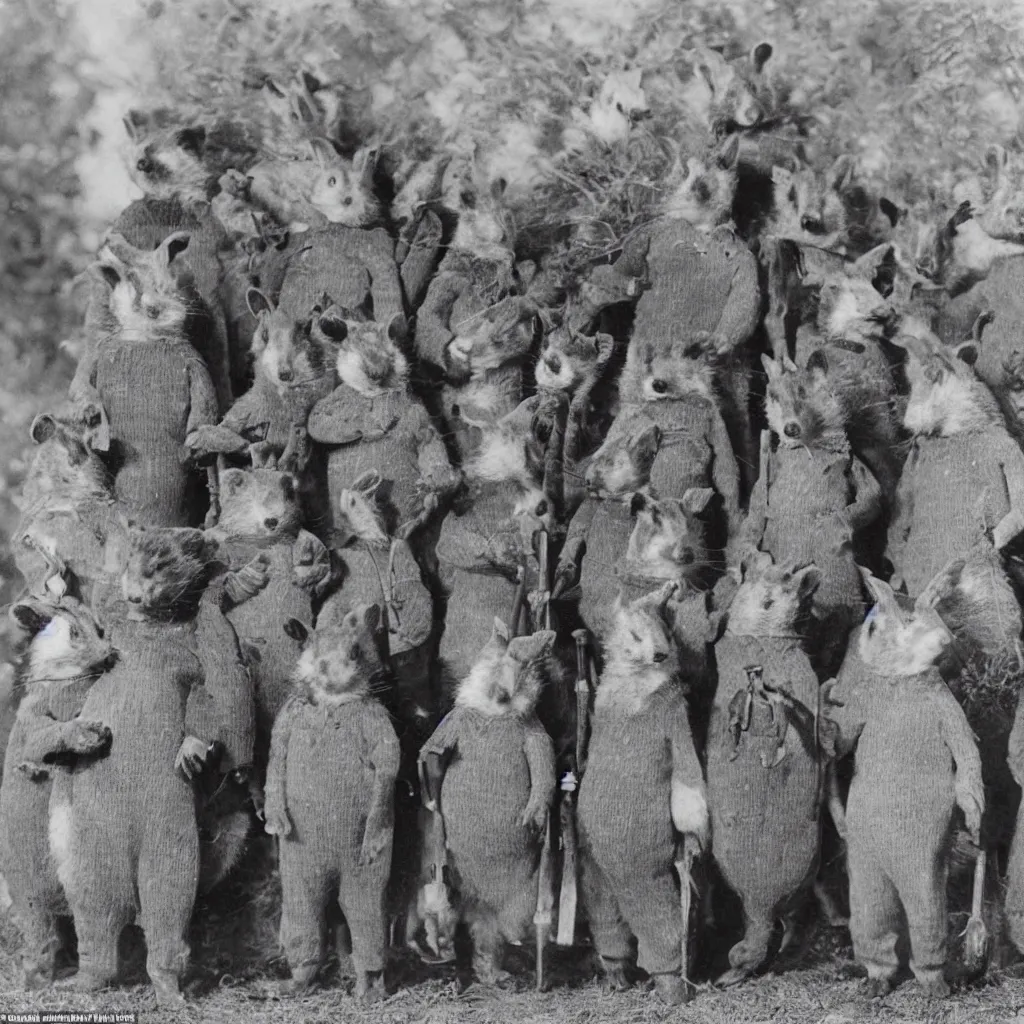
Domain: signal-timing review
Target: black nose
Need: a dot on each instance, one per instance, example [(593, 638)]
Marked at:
[(659, 387), (791, 430), (146, 165), (554, 363), (660, 656), (135, 599), (109, 661), (284, 374), (686, 556), (542, 508), (813, 225), (271, 523)]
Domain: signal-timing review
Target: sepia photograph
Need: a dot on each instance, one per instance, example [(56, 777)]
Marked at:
[(511, 511)]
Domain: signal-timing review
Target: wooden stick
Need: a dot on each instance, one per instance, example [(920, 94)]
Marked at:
[(686, 853), (545, 900), (568, 892)]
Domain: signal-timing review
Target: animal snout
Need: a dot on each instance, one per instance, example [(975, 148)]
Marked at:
[(791, 430), (135, 599), (659, 386), (553, 363), (812, 225), (635, 116), (285, 373), (271, 522), (660, 656), (110, 661)]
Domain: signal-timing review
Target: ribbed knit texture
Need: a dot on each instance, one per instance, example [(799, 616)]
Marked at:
[(497, 764), (913, 744), (764, 821), (28, 868), (1014, 901), (952, 489), (145, 224), (420, 262), (333, 770), (154, 394), (349, 265), (627, 840), (389, 433)]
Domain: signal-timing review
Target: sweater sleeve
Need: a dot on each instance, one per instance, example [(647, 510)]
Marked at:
[(540, 758), (845, 707), (688, 797), (433, 330), (421, 260), (203, 407), (633, 261), (902, 516), (742, 308), (963, 747), (436, 470), (1011, 459), (276, 802), (724, 472), (331, 421), (382, 748), (385, 283), (751, 533), (866, 506), (47, 736), (436, 753)]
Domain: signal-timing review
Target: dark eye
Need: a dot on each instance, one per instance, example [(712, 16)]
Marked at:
[(871, 628), (801, 391), (145, 165), (73, 633), (467, 199), (636, 636), (792, 195), (767, 603), (347, 201), (354, 652), (323, 667), (619, 108), (692, 351), (332, 181), (287, 489), (542, 508)]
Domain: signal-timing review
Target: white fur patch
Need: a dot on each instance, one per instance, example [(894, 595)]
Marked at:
[(352, 372), (564, 380), (476, 691), (500, 458), (947, 408), (61, 840), (51, 653), (845, 314), (689, 809), (5, 896)]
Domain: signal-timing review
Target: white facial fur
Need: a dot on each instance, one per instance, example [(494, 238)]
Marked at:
[(907, 647), (641, 658)]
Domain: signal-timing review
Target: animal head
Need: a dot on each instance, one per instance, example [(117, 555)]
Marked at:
[(144, 294), (568, 359), (508, 675), (668, 538), (301, 106), (618, 106), (512, 448), (806, 205), (261, 503), (640, 634), (343, 191), (165, 158), (895, 643), (65, 465), (946, 396), (771, 600), (484, 228), (340, 661), (801, 405), (670, 367), (64, 639), (623, 463), (850, 309), (1013, 382), (418, 183), (370, 359), (287, 351), (869, 218), (730, 95), (360, 512), (166, 570), (704, 196)]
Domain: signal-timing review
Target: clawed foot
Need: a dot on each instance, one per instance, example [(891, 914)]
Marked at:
[(934, 986), (370, 987), (671, 989), (614, 977), (301, 981), (877, 988)]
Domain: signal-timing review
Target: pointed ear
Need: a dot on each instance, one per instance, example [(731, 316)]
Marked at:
[(771, 367), (297, 631), (323, 151), (967, 352), (398, 329), (605, 346), (258, 303), (890, 209), (808, 580), (984, 318), (882, 594), (135, 122), (497, 188), (727, 155), (499, 632), (192, 139), (760, 55), (31, 614), (174, 245), (371, 618), (842, 172), (696, 499), (638, 502), (44, 426), (996, 160), (817, 363), (366, 161), (648, 442), (332, 325)]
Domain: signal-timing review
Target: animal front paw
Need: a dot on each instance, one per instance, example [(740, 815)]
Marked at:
[(192, 756), (242, 584), (375, 842), (276, 821), (210, 439), (535, 815), (1007, 529), (971, 802), (88, 737)]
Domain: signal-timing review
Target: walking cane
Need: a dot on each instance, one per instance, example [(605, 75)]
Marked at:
[(976, 937), (439, 854), (686, 853)]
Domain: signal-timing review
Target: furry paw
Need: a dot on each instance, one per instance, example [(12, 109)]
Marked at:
[(535, 815), (192, 756), (370, 987), (276, 822), (247, 582), (877, 988), (209, 439), (87, 737), (459, 350), (35, 771), (672, 989), (733, 977), (614, 977), (934, 986)]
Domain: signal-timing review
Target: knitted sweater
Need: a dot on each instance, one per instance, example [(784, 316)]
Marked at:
[(348, 264), (498, 765), (390, 433), (764, 820), (154, 395), (624, 815), (810, 505), (145, 224), (697, 282), (421, 259), (952, 490)]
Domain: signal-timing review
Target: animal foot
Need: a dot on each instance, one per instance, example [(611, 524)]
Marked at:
[(672, 989), (733, 977), (934, 985), (370, 987), (85, 737), (168, 991), (876, 988), (614, 979)]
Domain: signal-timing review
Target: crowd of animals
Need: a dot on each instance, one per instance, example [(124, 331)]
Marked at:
[(473, 576)]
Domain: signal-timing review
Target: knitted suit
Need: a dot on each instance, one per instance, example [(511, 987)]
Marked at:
[(36, 893), (123, 828), (914, 752), (155, 394), (952, 490), (333, 770), (764, 815), (1014, 901), (497, 765), (420, 258), (145, 224), (627, 840), (390, 433), (700, 282), (812, 505), (350, 265)]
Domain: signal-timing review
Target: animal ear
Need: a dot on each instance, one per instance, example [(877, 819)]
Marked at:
[(842, 172), (648, 442), (323, 151), (31, 614), (808, 580), (44, 426), (696, 499), (881, 593), (727, 155), (760, 55), (297, 631), (967, 352), (890, 209), (771, 367), (135, 122), (497, 188), (984, 318), (174, 244), (995, 160), (192, 139), (499, 632), (637, 503), (604, 344), (258, 303), (817, 363), (333, 326), (371, 618), (366, 161), (398, 329), (941, 585)]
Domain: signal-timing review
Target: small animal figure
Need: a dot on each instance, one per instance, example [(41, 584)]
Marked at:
[(619, 105), (814, 499), (915, 761), (67, 513), (123, 829), (642, 769), (66, 652), (963, 479), (171, 160), (491, 766), (372, 421), (764, 767), (260, 526), (330, 801), (995, 198), (729, 96), (706, 188), (152, 384)]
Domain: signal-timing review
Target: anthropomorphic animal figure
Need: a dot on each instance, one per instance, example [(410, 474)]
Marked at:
[(498, 770), (642, 769), (764, 768), (814, 499), (123, 829), (152, 384), (963, 480), (66, 653), (915, 762), (330, 800)]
